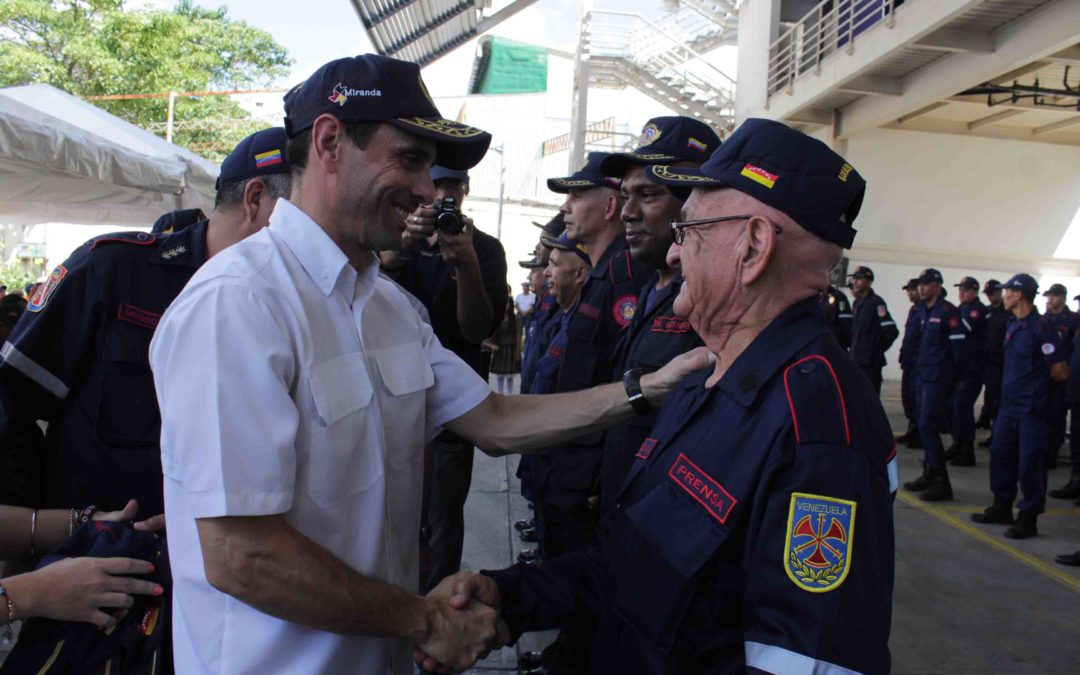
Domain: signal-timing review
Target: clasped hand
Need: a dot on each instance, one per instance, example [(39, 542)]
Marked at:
[(466, 624)]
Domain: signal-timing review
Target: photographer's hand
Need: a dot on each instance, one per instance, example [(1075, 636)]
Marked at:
[(457, 249), (418, 228)]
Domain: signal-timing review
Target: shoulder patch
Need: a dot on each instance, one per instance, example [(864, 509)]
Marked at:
[(974, 313), (624, 310), (881, 311), (45, 290), (818, 546), (954, 322), (818, 410), (136, 238), (1048, 348)]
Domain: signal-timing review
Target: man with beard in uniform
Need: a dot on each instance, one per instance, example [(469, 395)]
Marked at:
[(909, 357), (655, 335), (969, 376), (996, 320), (873, 331), (1065, 322), (78, 358)]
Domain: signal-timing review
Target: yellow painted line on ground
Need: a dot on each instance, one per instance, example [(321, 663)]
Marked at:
[(1031, 561), (964, 508)]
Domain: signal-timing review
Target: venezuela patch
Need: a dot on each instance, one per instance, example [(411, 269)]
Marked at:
[(817, 549)]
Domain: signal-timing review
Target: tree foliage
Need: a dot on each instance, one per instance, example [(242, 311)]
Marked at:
[(101, 47)]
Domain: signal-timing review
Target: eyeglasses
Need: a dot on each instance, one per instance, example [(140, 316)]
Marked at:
[(680, 226)]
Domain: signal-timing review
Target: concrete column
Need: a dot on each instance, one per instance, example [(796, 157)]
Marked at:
[(759, 26)]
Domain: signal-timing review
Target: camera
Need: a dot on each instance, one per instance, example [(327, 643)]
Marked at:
[(448, 217)]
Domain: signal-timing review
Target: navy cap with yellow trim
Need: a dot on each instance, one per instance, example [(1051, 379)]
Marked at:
[(786, 169), (666, 140), (553, 227), (376, 88), (585, 178), (174, 221), (565, 243)]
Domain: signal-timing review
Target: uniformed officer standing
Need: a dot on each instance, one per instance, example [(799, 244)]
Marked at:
[(969, 375), (873, 330), (1034, 359), (1064, 321), (79, 357), (656, 334), (909, 358), (736, 545), (836, 310), (1071, 489), (941, 336), (996, 320)]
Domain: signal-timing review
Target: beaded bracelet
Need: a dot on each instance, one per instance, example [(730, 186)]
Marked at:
[(10, 612)]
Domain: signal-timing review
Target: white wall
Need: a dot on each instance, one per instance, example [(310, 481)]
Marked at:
[(758, 27)]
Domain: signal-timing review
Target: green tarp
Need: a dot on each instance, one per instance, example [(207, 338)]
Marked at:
[(508, 67)]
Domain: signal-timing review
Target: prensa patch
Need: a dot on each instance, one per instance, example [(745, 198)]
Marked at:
[(703, 488), (45, 290), (817, 549), (624, 310)]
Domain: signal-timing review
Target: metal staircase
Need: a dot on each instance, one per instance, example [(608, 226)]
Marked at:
[(661, 60)]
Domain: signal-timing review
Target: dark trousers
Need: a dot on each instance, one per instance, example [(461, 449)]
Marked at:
[(874, 375), (1017, 456), (1054, 424), (1074, 434), (963, 411), (992, 397), (910, 399), (451, 477), (932, 401)]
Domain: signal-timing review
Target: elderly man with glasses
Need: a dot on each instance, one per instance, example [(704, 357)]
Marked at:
[(754, 532)]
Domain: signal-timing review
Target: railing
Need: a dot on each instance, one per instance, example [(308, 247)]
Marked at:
[(664, 56), (831, 26)]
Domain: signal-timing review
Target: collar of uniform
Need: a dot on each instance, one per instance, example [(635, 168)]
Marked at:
[(324, 262), (186, 248), (601, 267), (787, 334)]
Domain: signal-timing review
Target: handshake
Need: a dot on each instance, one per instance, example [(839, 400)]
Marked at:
[(465, 624)]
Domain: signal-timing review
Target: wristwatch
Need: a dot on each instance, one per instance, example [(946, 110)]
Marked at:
[(631, 380)]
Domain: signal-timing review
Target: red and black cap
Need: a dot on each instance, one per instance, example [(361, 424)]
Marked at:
[(587, 177), (786, 169), (375, 88), (666, 140)]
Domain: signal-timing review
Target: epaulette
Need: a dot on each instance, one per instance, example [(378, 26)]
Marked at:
[(134, 238), (818, 411), (619, 268)]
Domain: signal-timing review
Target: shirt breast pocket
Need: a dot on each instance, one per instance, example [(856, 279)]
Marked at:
[(341, 463), (670, 539), (128, 409), (405, 376)]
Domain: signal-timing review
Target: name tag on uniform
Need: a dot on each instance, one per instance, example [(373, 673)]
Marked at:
[(646, 448), (703, 488), (670, 324), (139, 317), (935, 319)]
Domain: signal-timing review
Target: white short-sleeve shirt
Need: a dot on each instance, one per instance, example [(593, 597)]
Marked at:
[(290, 383)]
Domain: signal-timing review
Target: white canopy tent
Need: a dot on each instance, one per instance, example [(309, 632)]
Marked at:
[(64, 160)]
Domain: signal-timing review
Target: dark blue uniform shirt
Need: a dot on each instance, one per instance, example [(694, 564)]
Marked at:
[(941, 336), (754, 531), (1032, 345), (534, 326), (973, 351), (79, 359), (653, 338), (909, 343), (1065, 323)]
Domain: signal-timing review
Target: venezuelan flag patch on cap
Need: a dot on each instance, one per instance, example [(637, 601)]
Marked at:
[(270, 158), (759, 175)]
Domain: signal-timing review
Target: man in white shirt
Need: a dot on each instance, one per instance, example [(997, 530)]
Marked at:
[(525, 301), (297, 389)]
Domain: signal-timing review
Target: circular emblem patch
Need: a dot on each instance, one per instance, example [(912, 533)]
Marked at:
[(650, 133), (881, 311), (974, 314), (1048, 349), (624, 310), (954, 322)]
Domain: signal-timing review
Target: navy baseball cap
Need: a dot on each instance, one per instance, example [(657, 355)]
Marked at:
[(970, 283), (863, 272), (260, 154), (910, 285), (930, 275), (665, 140), (441, 173), (785, 169), (991, 285), (532, 263), (1056, 289), (1025, 283), (587, 177), (565, 243), (375, 88), (174, 221), (553, 227)]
